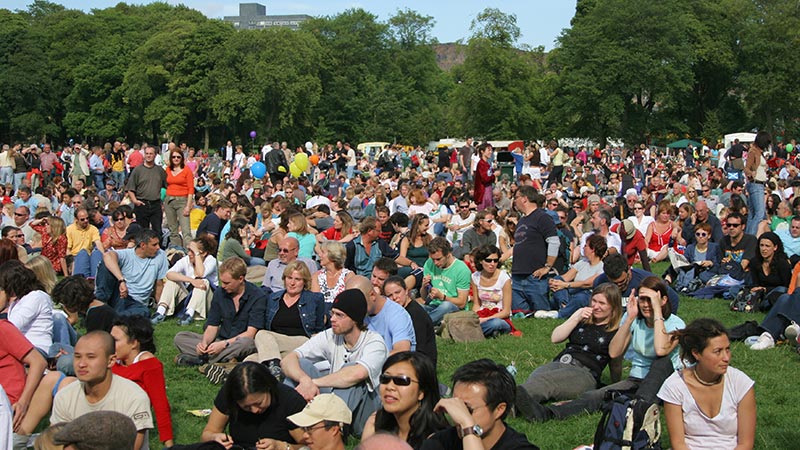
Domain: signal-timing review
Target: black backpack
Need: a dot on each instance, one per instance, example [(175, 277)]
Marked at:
[(628, 424)]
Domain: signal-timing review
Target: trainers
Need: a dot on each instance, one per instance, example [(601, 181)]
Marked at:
[(542, 314), (274, 366), (750, 340), (216, 373), (157, 319), (529, 408), (187, 360), (792, 333), (185, 320), (763, 342)]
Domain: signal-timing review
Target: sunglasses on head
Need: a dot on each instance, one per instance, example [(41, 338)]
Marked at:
[(398, 380)]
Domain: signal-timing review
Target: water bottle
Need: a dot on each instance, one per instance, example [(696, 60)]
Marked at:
[(512, 369)]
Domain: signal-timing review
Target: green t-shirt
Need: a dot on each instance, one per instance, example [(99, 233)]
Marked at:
[(454, 278)]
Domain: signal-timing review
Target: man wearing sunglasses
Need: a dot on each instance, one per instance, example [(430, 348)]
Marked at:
[(288, 250), (355, 354), (737, 245), (459, 222)]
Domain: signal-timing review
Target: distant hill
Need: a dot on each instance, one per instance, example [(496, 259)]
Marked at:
[(449, 55)]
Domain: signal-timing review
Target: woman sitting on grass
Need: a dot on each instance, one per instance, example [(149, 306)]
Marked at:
[(135, 361), (491, 289), (709, 405), (572, 290), (409, 391), (588, 333)]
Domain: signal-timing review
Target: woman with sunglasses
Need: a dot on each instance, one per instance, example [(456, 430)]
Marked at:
[(409, 391), (491, 291), (704, 255), (253, 407), (114, 235), (710, 404), (178, 203)]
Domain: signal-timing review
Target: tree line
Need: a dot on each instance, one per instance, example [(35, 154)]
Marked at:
[(637, 70)]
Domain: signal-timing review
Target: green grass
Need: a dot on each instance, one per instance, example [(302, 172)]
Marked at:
[(774, 371)]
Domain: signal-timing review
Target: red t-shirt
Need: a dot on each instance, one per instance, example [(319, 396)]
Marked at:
[(332, 234), (632, 246), (136, 158), (149, 375), (13, 348)]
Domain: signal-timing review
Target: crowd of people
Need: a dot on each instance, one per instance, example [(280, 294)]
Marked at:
[(321, 277)]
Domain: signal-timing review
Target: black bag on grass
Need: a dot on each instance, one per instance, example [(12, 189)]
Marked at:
[(628, 424)]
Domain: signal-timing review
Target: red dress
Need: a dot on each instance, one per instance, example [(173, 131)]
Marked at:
[(484, 177), (149, 375), (53, 251)]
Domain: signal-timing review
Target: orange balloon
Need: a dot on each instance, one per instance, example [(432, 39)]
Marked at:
[(314, 159)]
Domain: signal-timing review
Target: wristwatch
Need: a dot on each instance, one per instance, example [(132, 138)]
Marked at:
[(475, 429)]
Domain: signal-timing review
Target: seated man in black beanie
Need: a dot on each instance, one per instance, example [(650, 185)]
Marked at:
[(355, 354)]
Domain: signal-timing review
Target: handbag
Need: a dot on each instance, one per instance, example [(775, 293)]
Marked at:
[(462, 326), (747, 300)]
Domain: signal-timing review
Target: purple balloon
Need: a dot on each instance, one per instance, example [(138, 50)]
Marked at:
[(252, 134)]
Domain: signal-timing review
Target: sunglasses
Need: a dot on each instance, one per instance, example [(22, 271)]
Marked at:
[(638, 208), (491, 260), (20, 214), (701, 234), (284, 250), (177, 157), (733, 225), (398, 380)]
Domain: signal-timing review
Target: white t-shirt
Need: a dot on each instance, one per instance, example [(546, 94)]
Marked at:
[(370, 352), (491, 296), (457, 220), (185, 267), (701, 431), (33, 316), (643, 224), (612, 240)]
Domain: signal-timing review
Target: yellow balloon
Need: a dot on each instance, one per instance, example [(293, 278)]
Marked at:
[(301, 159), (296, 172), (281, 169)]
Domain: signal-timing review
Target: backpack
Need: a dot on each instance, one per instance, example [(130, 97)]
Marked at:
[(620, 429), (462, 326), (563, 257)]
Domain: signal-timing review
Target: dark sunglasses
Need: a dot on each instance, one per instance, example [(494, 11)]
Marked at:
[(733, 225), (284, 250), (399, 380), (701, 234), (491, 260)]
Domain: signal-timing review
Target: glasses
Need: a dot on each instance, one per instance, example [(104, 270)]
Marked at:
[(733, 225), (464, 206), (84, 219), (177, 157), (638, 208), (309, 430), (706, 190), (20, 214), (491, 260), (701, 234), (398, 380), (118, 218), (285, 250)]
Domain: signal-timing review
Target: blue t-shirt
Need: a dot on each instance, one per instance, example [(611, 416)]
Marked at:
[(307, 242), (642, 350), (394, 324), (141, 273)]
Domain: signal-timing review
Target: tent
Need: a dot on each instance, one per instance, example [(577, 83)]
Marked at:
[(683, 143), (742, 137)]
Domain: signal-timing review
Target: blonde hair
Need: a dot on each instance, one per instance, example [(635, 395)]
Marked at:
[(336, 252), (298, 266), (299, 221), (57, 227), (43, 269)]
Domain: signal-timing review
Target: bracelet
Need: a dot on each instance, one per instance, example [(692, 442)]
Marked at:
[(659, 318)]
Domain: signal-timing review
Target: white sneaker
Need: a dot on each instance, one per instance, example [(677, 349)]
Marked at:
[(792, 333), (542, 314), (764, 342)]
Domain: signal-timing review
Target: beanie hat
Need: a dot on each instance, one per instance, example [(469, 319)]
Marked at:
[(100, 430), (353, 303)]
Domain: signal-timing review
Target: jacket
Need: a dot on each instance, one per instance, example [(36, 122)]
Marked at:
[(311, 306)]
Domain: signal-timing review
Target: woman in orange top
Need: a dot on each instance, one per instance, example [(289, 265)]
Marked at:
[(180, 194)]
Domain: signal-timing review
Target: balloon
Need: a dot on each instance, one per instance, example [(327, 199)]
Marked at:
[(296, 172), (301, 159), (309, 145), (789, 148), (258, 170), (281, 169), (252, 135), (315, 159)]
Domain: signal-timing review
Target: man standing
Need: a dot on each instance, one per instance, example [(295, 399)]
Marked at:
[(483, 395), (228, 151), (133, 275), (536, 246), (47, 161), (288, 250), (355, 354), (99, 389), (275, 161), (446, 281), (465, 159), (144, 190)]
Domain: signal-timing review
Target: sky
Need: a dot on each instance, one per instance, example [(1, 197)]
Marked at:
[(540, 21)]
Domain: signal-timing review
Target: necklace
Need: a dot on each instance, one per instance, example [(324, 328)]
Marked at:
[(705, 383)]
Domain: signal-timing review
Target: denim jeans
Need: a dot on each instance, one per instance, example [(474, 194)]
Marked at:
[(437, 313), (785, 310), (495, 326), (99, 180), (18, 177), (119, 179), (6, 175), (86, 264), (106, 289), (570, 300), (756, 207), (530, 294)]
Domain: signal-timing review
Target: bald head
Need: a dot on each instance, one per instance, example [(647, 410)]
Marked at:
[(383, 441), (288, 250), (361, 283)]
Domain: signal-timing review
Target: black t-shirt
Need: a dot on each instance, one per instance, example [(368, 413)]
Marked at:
[(212, 225), (287, 320), (744, 250), (447, 439), (444, 158), (736, 151), (530, 245), (100, 318), (423, 330), (248, 428), (588, 344)]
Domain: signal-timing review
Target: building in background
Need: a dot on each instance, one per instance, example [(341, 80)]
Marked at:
[(253, 16)]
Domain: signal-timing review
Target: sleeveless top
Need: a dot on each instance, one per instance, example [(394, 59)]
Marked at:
[(658, 241), (331, 293)]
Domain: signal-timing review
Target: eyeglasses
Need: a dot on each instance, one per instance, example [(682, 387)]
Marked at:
[(464, 206), (491, 260), (701, 234), (85, 219), (733, 225), (398, 380), (638, 208), (285, 250), (177, 157), (309, 430), (20, 214), (706, 190)]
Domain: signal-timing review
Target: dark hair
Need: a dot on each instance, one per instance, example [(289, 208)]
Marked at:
[(424, 421), (138, 328), (8, 250), (440, 244), (658, 285), (500, 385), (144, 236), (484, 252), (614, 265), (7, 229), (399, 219), (386, 264), (530, 193), (17, 280), (245, 379), (695, 337), (207, 243), (73, 293), (413, 233), (734, 214), (763, 140), (779, 256), (237, 224), (598, 244), (394, 279)]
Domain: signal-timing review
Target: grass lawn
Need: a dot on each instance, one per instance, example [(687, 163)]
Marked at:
[(777, 385)]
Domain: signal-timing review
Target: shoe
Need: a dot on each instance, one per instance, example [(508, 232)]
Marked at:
[(792, 333), (529, 408), (519, 315), (542, 314), (157, 319), (215, 373), (185, 320), (763, 342), (187, 360), (750, 340), (274, 366)]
